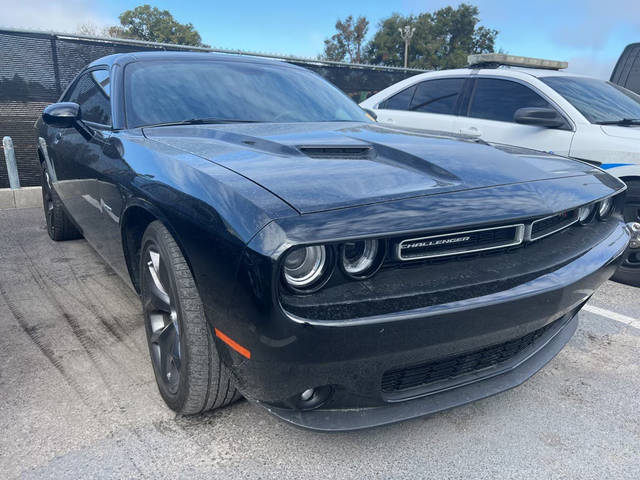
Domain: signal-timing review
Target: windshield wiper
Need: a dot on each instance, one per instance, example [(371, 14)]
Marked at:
[(622, 122), (201, 121)]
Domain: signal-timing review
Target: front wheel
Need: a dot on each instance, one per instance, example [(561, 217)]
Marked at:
[(190, 376), (629, 271), (59, 226)]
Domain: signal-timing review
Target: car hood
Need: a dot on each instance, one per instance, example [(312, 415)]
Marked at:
[(632, 132), (323, 166)]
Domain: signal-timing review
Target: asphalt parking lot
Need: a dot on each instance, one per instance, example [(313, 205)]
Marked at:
[(78, 397)]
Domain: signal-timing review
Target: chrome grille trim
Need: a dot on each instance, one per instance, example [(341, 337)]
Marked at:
[(517, 240), (530, 236)]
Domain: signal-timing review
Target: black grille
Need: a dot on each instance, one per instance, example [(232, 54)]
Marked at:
[(549, 225), (453, 367), (337, 152), (460, 242)]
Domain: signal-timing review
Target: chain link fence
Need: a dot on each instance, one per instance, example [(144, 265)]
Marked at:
[(36, 67)]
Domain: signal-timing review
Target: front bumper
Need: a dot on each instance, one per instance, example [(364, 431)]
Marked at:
[(290, 356), (508, 377)]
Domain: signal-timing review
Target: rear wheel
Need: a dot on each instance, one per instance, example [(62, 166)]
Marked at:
[(59, 226), (629, 270), (190, 376)]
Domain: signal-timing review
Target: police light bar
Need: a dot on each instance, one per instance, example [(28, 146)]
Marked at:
[(515, 61)]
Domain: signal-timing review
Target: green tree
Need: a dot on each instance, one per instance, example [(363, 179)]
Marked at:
[(346, 43), (154, 25), (442, 39)]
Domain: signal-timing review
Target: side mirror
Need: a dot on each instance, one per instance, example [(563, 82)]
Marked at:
[(370, 113), (62, 115), (539, 117)]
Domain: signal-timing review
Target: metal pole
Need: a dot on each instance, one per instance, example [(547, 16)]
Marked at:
[(406, 51), (10, 158), (406, 35)]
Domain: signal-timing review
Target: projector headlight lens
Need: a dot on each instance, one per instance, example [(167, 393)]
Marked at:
[(361, 258), (585, 214), (303, 267), (604, 208)]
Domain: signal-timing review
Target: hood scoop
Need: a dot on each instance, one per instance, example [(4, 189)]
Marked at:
[(346, 152)]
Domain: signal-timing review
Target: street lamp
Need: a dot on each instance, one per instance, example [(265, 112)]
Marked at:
[(406, 33)]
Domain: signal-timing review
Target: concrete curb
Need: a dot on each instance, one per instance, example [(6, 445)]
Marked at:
[(25, 197)]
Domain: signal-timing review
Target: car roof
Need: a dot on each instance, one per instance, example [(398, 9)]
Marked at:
[(149, 56), (541, 72)]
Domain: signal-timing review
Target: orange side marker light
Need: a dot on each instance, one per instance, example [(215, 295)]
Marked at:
[(236, 346)]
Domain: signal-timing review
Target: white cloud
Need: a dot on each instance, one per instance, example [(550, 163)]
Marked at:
[(592, 66), (593, 22), (52, 16)]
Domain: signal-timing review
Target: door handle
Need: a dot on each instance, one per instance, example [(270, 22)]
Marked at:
[(471, 131)]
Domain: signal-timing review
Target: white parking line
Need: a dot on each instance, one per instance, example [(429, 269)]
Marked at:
[(613, 316)]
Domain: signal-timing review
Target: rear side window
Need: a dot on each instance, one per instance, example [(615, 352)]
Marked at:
[(400, 101), (437, 96), (92, 92), (495, 99)]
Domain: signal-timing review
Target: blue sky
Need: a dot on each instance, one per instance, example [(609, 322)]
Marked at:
[(589, 34)]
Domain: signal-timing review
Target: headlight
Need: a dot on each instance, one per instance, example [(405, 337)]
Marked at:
[(585, 214), (303, 267), (604, 208), (361, 258)]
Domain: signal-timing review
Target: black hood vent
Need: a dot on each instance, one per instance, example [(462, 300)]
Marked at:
[(338, 152)]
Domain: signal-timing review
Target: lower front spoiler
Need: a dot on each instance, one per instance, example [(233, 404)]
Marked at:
[(358, 418)]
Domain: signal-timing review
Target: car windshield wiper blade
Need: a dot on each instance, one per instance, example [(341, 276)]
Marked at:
[(623, 122), (201, 121)]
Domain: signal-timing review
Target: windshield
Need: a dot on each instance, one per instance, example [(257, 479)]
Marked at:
[(597, 100), (177, 91)]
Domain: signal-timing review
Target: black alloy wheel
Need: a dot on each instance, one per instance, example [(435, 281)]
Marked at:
[(59, 226), (190, 375), (161, 321)]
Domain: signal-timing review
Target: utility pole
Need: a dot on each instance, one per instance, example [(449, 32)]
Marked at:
[(406, 33)]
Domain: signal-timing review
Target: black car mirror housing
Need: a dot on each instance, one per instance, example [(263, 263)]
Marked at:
[(67, 115), (540, 117), (61, 115)]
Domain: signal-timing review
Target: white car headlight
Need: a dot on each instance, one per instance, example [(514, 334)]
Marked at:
[(604, 208), (361, 258), (303, 267)]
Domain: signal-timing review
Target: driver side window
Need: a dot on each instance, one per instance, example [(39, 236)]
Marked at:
[(92, 92)]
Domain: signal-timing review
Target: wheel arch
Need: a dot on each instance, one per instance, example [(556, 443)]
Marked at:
[(136, 217)]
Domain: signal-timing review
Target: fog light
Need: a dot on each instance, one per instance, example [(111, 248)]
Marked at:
[(313, 397), (307, 394)]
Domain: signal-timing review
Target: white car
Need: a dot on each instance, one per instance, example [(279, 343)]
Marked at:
[(502, 99)]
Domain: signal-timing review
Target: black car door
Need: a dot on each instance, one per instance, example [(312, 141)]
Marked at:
[(78, 155)]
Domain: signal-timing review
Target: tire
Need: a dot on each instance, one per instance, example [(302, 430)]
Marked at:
[(190, 375), (629, 270), (59, 225)]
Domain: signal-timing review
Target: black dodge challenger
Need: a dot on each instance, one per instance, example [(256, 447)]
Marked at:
[(286, 248)]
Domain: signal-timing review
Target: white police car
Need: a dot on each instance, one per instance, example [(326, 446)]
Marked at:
[(529, 103)]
